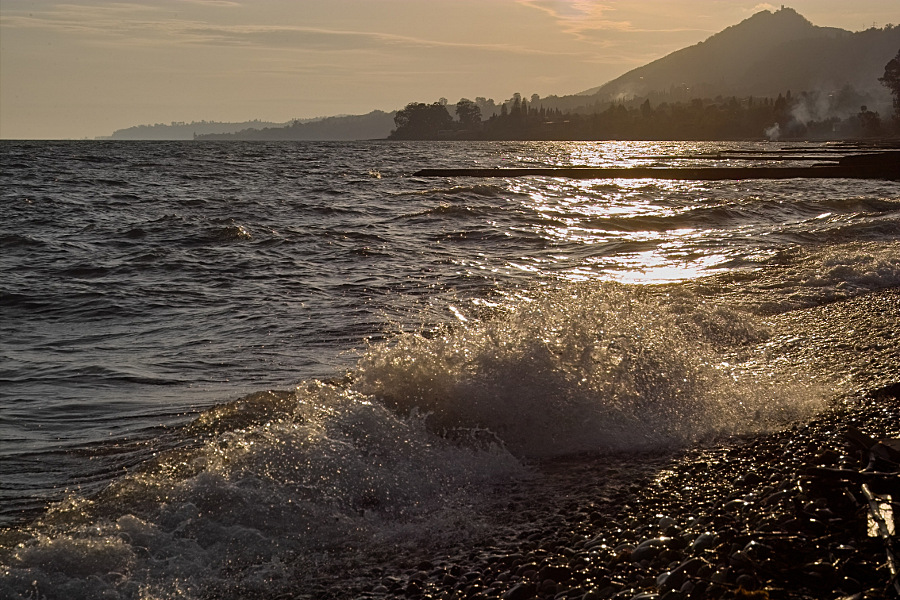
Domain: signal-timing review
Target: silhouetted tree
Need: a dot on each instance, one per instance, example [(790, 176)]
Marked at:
[(869, 122), (646, 111), (516, 105), (891, 80), (719, 118), (468, 113), (420, 121), (487, 106)]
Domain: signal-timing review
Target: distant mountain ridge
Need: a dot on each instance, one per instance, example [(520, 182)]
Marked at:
[(764, 55)]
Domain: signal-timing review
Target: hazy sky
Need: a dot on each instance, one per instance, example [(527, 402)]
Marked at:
[(83, 69)]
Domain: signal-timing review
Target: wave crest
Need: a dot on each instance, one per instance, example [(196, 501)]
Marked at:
[(586, 368)]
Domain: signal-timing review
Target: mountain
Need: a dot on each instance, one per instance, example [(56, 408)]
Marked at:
[(765, 55)]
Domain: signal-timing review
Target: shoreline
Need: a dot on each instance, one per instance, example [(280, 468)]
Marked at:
[(744, 520), (742, 517)]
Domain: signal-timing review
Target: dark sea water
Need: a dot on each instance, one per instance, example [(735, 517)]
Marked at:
[(237, 366)]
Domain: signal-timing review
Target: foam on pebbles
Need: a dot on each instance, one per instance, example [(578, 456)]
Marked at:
[(742, 521), (746, 519)]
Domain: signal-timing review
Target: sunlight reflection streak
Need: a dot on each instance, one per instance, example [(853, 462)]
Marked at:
[(637, 231)]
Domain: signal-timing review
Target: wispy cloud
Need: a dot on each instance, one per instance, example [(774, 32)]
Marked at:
[(312, 38), (577, 16), (214, 3), (131, 24), (593, 21), (761, 7)]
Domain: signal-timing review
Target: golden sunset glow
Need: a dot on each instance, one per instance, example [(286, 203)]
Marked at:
[(84, 69)]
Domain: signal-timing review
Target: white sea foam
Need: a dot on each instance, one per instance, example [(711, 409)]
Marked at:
[(838, 272), (272, 503), (805, 277), (587, 368)]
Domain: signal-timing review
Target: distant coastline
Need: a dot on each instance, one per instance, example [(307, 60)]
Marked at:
[(846, 116), (374, 125), (179, 130)]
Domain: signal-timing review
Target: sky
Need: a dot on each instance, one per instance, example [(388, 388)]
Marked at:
[(73, 70)]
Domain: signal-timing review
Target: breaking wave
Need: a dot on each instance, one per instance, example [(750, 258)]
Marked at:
[(587, 368), (277, 488)]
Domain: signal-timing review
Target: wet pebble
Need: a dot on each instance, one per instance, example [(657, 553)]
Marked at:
[(648, 549)]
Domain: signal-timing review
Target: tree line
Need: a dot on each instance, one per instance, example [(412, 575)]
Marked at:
[(788, 116)]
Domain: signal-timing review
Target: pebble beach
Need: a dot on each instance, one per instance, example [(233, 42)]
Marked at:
[(741, 521), (750, 518)]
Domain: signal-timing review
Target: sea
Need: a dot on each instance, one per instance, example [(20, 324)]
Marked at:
[(235, 369)]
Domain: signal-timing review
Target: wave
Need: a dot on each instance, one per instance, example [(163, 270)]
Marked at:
[(227, 233), (267, 492), (585, 368), (84, 374), (284, 487), (801, 277), (450, 212), (12, 240)]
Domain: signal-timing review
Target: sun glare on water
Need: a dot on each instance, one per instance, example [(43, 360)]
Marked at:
[(638, 231)]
